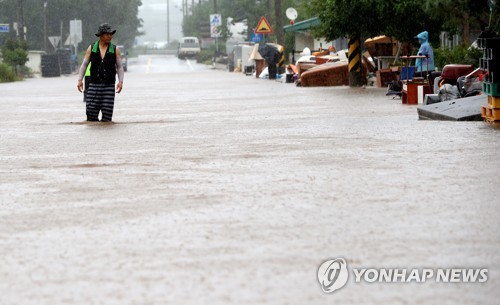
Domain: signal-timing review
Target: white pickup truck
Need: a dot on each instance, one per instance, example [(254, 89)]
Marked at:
[(188, 47)]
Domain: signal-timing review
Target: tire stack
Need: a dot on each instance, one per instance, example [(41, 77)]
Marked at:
[(490, 63), (50, 66), (64, 60)]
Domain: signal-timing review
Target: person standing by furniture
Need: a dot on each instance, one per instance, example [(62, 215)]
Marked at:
[(424, 65)]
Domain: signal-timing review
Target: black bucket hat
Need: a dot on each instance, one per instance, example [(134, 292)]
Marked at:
[(105, 28)]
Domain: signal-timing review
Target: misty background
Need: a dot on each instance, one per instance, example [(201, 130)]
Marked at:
[(154, 16)]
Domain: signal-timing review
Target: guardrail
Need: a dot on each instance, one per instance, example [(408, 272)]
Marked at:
[(157, 52)]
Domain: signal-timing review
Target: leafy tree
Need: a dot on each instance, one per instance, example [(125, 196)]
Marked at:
[(15, 52), (344, 17), (121, 14), (7, 74), (403, 19), (461, 16), (356, 19), (15, 55)]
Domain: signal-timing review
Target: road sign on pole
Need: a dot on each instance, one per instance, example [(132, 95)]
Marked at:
[(256, 37), (263, 27), (215, 23), (75, 30), (71, 41), (4, 28), (54, 40)]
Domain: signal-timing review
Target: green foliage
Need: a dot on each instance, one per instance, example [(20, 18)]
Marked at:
[(121, 14), (7, 74), (345, 17), (461, 16), (15, 52), (457, 55), (206, 56), (402, 19)]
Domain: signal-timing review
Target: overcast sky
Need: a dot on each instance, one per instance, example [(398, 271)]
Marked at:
[(154, 15)]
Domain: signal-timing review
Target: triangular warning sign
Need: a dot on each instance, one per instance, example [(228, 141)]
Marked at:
[(263, 27)]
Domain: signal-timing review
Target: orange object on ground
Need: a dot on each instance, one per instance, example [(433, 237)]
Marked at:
[(321, 53), (329, 74), (324, 59)]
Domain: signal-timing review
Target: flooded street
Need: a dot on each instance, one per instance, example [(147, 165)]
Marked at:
[(217, 188)]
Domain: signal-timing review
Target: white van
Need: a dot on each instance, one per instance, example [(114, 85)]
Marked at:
[(188, 47)]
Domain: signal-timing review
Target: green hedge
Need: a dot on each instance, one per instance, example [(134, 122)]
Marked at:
[(7, 74), (457, 55), (206, 56)]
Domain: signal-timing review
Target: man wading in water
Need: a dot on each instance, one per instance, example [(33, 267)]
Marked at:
[(105, 62)]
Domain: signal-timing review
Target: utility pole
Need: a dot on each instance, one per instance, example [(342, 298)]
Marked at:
[(215, 6), (21, 18), (61, 33), (168, 22), (45, 26), (280, 35)]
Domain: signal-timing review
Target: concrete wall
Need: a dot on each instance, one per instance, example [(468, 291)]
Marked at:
[(302, 40), (35, 61)]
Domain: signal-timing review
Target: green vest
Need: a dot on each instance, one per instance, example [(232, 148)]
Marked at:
[(87, 73)]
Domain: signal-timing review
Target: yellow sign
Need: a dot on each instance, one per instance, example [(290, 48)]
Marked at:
[(263, 27)]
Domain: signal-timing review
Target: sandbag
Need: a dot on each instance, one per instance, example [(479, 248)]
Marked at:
[(448, 92)]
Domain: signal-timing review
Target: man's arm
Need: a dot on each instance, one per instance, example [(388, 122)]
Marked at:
[(119, 71), (83, 68)]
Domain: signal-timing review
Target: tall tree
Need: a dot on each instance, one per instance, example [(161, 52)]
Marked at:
[(403, 19), (122, 14), (340, 18), (465, 17)]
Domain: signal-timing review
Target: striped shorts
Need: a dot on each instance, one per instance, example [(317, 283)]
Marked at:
[(100, 97)]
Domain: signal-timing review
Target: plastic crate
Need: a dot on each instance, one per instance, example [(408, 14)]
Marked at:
[(493, 77), (490, 114), (491, 89), (492, 53), (483, 63), (491, 43), (494, 102), (493, 64)]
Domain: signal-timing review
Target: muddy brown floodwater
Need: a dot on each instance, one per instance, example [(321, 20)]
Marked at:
[(216, 188)]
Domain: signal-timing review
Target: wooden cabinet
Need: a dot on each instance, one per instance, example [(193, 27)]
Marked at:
[(411, 91)]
